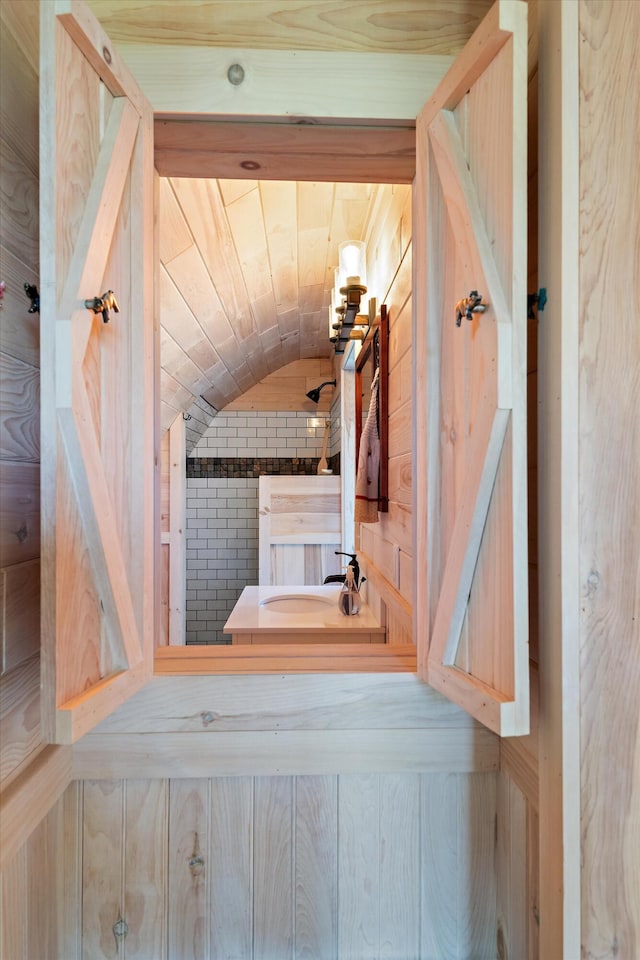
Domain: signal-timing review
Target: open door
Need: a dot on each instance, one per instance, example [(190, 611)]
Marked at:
[(97, 375), (470, 235)]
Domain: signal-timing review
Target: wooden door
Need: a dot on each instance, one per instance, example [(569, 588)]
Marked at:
[(299, 530), (471, 616), (96, 145)]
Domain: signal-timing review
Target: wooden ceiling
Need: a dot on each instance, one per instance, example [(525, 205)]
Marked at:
[(371, 26), (246, 273), (247, 265)]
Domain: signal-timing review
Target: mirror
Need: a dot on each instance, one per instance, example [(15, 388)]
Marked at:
[(373, 356)]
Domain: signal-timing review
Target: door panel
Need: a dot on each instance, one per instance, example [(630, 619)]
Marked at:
[(98, 400), (470, 377)]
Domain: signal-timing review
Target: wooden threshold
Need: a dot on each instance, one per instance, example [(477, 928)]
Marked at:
[(205, 660)]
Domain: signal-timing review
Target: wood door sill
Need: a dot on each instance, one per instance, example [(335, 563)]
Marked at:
[(202, 660)]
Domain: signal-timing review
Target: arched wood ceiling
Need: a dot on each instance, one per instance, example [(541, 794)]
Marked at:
[(246, 273)]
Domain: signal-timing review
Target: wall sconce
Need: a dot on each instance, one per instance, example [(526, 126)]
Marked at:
[(349, 310), (352, 277)]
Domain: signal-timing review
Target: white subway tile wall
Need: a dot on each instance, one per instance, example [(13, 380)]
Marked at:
[(222, 514)]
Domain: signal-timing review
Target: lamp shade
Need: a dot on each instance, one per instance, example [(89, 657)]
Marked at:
[(352, 261)]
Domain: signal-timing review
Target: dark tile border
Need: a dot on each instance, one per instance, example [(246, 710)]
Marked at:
[(228, 467)]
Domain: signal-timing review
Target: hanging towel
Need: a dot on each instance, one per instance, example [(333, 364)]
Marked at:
[(368, 473)]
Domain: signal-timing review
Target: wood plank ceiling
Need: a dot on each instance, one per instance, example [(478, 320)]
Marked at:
[(247, 265)]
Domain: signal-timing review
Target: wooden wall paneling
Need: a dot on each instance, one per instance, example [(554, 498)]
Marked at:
[(20, 330), (608, 525), (70, 878), (189, 869), (146, 834), (231, 874), (14, 907), (292, 83), (102, 868), (19, 204), (476, 893), (19, 717), (320, 702), (19, 512), (316, 867), (273, 868), (511, 869), (20, 598), (19, 84), (533, 882), (20, 405), (560, 54), (43, 855), (439, 816), (358, 865), (30, 795), (286, 389), (400, 863), (177, 531)]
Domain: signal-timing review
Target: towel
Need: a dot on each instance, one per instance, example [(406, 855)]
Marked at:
[(368, 472)]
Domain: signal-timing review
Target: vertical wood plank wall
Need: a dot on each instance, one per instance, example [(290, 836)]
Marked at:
[(608, 364), (19, 390), (374, 865), (387, 546)]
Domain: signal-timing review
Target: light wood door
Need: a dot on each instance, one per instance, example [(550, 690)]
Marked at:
[(470, 377), (96, 143), (299, 529)]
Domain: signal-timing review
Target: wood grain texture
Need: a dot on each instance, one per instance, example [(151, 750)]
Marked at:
[(285, 752), (146, 812), (608, 464), (273, 918), (30, 796), (97, 225), (20, 402), (20, 600), (352, 26), (316, 866), (189, 869), (291, 82), (13, 880), (558, 473), (321, 702), (232, 813), (358, 866), (102, 846), (19, 717), (306, 866), (19, 512)]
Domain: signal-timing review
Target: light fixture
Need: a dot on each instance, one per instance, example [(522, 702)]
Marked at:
[(349, 289), (314, 394)]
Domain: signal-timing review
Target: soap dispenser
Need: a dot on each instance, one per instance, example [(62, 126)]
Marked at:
[(349, 598)]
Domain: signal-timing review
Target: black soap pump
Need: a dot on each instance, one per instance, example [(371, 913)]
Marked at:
[(349, 598)]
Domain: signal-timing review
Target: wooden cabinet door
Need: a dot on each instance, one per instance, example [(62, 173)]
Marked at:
[(98, 434), (470, 234)]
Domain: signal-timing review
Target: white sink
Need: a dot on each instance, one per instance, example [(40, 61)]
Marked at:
[(297, 603)]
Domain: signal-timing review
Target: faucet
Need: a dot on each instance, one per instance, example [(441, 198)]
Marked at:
[(340, 577)]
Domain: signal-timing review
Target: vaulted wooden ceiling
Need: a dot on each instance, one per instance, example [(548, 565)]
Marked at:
[(247, 265)]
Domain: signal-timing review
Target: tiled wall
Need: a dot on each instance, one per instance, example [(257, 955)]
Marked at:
[(222, 505)]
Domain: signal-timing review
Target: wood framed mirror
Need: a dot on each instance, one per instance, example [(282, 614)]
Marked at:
[(373, 356)]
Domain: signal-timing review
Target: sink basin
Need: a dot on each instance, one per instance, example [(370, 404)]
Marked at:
[(297, 603)]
